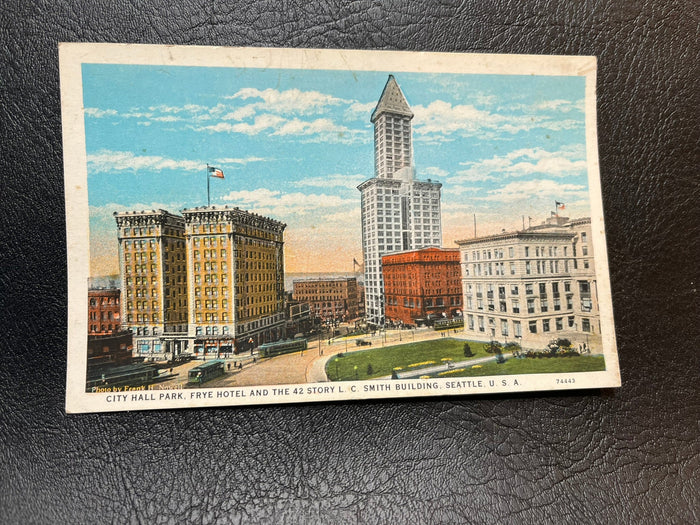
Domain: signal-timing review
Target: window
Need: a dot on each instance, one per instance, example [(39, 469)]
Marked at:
[(533, 327), (516, 306), (543, 305), (545, 325), (528, 289), (531, 306), (504, 327), (511, 252), (517, 329), (586, 325), (559, 323), (514, 289)]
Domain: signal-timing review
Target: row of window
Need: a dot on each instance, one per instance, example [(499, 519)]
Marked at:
[(104, 316), (530, 288), (515, 305), (480, 324), (411, 302), (104, 328), (150, 230), (111, 300), (538, 251)]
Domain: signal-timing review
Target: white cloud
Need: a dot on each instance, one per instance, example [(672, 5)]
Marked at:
[(434, 171), (283, 205), (100, 113), (534, 189), (107, 160), (567, 161), (443, 119), (241, 113), (314, 127), (240, 161), (360, 110), (289, 101), (333, 181)]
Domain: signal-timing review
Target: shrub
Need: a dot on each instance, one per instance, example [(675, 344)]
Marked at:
[(493, 347), (467, 350)]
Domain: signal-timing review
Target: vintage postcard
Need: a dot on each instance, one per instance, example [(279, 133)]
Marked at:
[(255, 226)]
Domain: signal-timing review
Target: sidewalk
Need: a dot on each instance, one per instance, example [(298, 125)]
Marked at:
[(412, 374)]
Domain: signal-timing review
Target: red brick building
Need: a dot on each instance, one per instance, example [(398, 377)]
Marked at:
[(104, 317), (422, 285), (107, 343), (333, 298)]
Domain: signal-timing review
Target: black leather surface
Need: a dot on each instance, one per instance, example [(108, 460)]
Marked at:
[(625, 456)]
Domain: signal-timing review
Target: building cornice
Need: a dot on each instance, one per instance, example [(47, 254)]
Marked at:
[(207, 214)]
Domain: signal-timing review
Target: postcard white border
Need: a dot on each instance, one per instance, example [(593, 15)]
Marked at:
[(73, 55)]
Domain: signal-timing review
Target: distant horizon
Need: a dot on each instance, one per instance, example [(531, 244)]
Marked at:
[(288, 278)]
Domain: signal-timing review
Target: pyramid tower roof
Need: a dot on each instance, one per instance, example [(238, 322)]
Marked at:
[(392, 101)]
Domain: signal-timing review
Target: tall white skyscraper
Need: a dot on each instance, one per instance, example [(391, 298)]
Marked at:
[(399, 212)]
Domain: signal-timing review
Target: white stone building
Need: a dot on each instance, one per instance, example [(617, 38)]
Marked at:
[(532, 286)]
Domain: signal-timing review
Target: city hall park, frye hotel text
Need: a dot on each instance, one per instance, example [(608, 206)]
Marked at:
[(445, 357)]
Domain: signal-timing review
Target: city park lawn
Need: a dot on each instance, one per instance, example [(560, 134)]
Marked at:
[(384, 360), (544, 365), (379, 362)]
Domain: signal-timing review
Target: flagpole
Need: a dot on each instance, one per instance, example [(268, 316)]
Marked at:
[(208, 198)]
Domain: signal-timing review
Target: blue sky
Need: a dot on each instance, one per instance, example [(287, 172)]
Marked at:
[(294, 144)]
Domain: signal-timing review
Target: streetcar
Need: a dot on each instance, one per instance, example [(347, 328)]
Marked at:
[(132, 375), (282, 347), (448, 324), (205, 372)]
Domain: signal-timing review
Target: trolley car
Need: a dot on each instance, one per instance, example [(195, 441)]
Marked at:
[(205, 372), (449, 324), (132, 375), (282, 347)]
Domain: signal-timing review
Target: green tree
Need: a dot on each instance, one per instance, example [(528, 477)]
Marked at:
[(468, 351)]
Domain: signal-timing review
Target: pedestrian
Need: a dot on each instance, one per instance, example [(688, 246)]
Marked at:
[(229, 367), (240, 365)]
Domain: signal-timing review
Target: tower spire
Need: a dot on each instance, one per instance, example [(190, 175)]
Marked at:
[(392, 101)]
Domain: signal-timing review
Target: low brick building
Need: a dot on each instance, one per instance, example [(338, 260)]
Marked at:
[(331, 299), (104, 311)]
